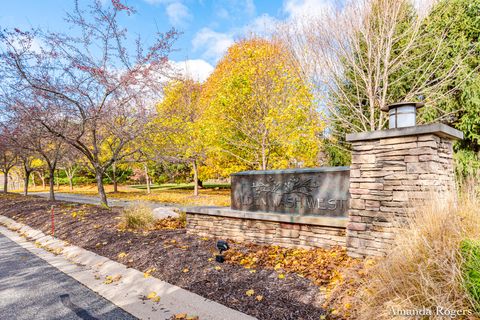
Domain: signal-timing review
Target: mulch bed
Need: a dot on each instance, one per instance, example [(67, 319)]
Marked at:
[(177, 258)]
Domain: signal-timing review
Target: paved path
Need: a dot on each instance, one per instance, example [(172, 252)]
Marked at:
[(95, 200), (160, 210), (30, 288)]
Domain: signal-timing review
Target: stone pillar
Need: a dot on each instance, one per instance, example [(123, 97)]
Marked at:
[(390, 170)]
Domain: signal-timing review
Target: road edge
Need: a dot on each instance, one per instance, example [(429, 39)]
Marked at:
[(127, 291)]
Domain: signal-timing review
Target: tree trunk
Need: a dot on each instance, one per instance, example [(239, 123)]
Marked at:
[(264, 153), (195, 178), (147, 178), (114, 175), (52, 184), (5, 182), (101, 189), (69, 173), (25, 184), (42, 177)]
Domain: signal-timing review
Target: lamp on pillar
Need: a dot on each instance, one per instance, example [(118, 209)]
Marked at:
[(402, 114)]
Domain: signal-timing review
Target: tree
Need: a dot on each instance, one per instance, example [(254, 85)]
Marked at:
[(463, 106), (177, 126), (369, 55), (89, 79), (8, 157), (27, 162), (258, 111), (32, 139), (70, 164)]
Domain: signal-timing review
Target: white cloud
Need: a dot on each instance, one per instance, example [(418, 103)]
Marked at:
[(178, 13), (263, 25), (213, 43), (306, 8), (196, 69)]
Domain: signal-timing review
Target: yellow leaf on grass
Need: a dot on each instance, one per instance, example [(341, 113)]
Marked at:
[(281, 276), (250, 292), (259, 298), (253, 271), (217, 268), (185, 270), (122, 255)]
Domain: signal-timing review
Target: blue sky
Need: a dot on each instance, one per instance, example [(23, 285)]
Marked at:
[(208, 27)]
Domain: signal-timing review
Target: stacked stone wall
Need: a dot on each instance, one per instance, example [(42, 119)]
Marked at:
[(265, 232), (389, 176)]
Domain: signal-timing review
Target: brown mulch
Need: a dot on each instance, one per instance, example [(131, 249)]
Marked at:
[(180, 259)]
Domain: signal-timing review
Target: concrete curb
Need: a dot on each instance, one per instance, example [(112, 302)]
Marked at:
[(91, 270)]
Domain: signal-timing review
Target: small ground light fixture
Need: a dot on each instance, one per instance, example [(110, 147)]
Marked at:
[(222, 246)]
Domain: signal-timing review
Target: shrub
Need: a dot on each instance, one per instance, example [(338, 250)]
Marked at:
[(138, 216), (470, 250), (425, 268)]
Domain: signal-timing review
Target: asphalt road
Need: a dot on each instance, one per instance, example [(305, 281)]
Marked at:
[(30, 288)]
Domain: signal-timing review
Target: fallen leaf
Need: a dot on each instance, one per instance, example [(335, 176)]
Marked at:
[(122, 255), (281, 276), (217, 268), (259, 298), (111, 279), (181, 316), (185, 270), (250, 292), (153, 297)]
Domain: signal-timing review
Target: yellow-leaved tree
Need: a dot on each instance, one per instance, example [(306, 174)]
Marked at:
[(258, 111), (178, 136)]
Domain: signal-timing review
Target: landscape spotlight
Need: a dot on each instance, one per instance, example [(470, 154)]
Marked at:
[(222, 246)]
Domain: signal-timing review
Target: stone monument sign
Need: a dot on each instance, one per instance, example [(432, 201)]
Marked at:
[(312, 191)]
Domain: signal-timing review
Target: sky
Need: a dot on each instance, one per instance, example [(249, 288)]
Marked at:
[(207, 27)]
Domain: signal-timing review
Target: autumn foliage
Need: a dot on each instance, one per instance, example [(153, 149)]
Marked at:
[(258, 111)]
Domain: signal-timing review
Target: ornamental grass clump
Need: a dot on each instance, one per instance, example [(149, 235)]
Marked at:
[(470, 250), (137, 217), (431, 271)]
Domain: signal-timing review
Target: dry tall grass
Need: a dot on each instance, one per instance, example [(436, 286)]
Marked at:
[(424, 270), (138, 216)]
